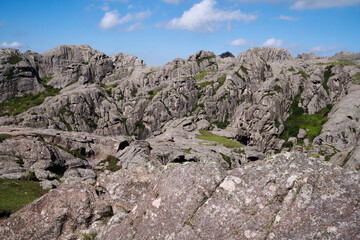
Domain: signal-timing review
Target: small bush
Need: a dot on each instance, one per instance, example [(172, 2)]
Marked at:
[(327, 74), (112, 163), (4, 136), (226, 158), (14, 59), (29, 176), (244, 70), (278, 89)]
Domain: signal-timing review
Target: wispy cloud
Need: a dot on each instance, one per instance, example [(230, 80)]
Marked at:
[(113, 19), (135, 26), (288, 18), (205, 17), (315, 4), (238, 42), (310, 4), (172, 1), (272, 42), (2, 24), (322, 49), (11, 45)]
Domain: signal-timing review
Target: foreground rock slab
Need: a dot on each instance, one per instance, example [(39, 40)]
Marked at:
[(288, 196)]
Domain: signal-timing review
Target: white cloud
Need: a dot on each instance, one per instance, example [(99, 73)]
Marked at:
[(204, 17), (321, 49), (172, 1), (239, 42), (112, 19), (105, 7), (272, 42), (288, 18), (315, 4), (11, 45), (310, 4), (135, 26)]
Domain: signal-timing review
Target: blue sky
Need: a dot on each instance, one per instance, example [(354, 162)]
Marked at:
[(159, 31)]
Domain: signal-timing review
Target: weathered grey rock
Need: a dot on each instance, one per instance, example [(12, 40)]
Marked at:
[(301, 134), (61, 213), (261, 200)]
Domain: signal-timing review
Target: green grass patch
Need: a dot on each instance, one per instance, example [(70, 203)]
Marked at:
[(202, 75), (292, 69), (346, 159), (341, 62), (17, 105), (220, 140), (200, 60), (152, 93), (90, 236), (221, 80), (303, 74), (44, 81), (239, 76), (244, 70), (205, 84), (4, 136), (134, 92), (187, 151), (10, 74), (15, 194), (14, 59), (327, 74), (313, 122), (112, 163), (239, 151), (226, 158), (356, 78), (278, 89)]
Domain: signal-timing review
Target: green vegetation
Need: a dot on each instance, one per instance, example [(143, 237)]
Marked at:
[(239, 151), (346, 159), (14, 59), (226, 158), (277, 123), (196, 107), (15, 194), (44, 81), (327, 75), (205, 84), (187, 151), (202, 75), (153, 93), (239, 76), (29, 176), (17, 105), (4, 136), (200, 60), (292, 69), (108, 88), (134, 92), (356, 78), (303, 74), (244, 70), (221, 80), (298, 119), (112, 163), (222, 125), (278, 89), (10, 74), (220, 140), (341, 62), (268, 67), (72, 152), (90, 236)]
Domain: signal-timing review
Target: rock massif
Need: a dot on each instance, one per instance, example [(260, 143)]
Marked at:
[(262, 146)]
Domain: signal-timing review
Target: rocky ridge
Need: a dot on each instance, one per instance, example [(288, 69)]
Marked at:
[(176, 152)]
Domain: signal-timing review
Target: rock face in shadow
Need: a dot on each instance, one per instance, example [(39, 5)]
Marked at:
[(262, 146)]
